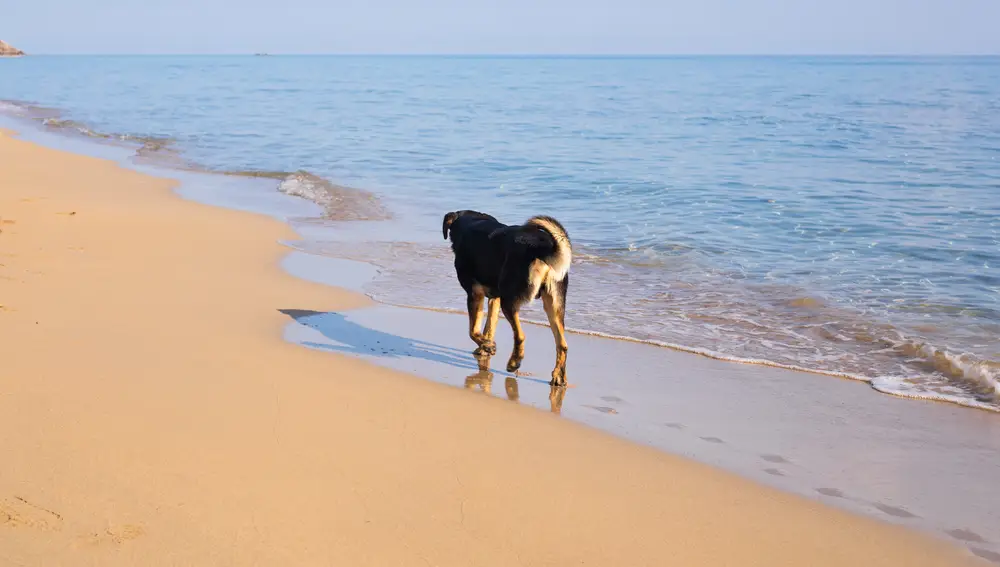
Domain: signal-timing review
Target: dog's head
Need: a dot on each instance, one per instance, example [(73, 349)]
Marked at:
[(452, 217), (448, 219)]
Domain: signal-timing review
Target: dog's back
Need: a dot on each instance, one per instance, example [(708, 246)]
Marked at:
[(484, 246)]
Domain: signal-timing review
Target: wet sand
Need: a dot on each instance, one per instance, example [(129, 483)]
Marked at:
[(151, 414), (925, 465)]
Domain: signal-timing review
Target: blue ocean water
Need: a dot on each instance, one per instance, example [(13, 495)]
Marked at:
[(836, 214)]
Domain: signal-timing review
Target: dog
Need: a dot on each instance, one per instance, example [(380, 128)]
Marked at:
[(512, 265)]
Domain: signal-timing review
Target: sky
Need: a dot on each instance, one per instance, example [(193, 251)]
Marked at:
[(504, 26)]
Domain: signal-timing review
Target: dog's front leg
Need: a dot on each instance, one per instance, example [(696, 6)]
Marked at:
[(488, 347), (475, 305)]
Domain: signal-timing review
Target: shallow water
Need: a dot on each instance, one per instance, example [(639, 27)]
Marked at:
[(839, 215)]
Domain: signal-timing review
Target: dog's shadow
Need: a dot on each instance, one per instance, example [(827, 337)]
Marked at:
[(356, 339), (352, 338)]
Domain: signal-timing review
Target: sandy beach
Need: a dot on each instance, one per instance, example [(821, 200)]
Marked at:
[(152, 414)]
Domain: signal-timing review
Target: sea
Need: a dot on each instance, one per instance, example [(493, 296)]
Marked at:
[(839, 215)]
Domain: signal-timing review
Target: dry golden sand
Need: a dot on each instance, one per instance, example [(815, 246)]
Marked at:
[(150, 414)]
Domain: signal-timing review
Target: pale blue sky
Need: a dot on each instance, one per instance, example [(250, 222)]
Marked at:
[(508, 26)]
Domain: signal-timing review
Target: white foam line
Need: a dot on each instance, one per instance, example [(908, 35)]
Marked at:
[(875, 383)]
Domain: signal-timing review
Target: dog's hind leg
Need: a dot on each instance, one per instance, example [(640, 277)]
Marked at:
[(510, 309), (554, 300), (488, 346), (475, 305)]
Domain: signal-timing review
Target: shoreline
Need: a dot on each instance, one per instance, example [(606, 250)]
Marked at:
[(976, 380), (193, 433)]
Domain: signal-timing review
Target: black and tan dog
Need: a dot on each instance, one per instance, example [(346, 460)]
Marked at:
[(512, 265)]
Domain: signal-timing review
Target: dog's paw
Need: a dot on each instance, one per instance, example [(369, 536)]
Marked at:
[(513, 364), (486, 349), (558, 377)]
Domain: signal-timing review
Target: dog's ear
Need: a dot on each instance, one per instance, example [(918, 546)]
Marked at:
[(448, 219)]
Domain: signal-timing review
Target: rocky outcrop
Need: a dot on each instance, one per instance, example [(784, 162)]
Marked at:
[(8, 50)]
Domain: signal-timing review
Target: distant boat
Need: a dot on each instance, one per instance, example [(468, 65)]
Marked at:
[(8, 50), (262, 54)]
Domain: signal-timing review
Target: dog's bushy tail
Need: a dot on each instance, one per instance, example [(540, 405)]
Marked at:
[(560, 259)]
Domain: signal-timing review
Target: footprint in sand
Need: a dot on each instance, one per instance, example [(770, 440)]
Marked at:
[(612, 399), (774, 472), (115, 535), (17, 512), (895, 511), (603, 409), (774, 458), (674, 425), (986, 554), (712, 440), (966, 535), (832, 492)]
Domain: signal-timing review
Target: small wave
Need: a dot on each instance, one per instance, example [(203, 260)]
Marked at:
[(160, 152), (906, 388), (982, 376), (11, 108), (74, 126), (26, 110), (148, 144), (985, 374), (253, 173), (339, 203), (157, 149)]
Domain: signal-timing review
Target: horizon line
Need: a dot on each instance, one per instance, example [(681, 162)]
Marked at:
[(516, 54)]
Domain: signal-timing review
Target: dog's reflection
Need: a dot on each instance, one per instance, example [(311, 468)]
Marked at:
[(510, 384), (556, 396), (483, 380)]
